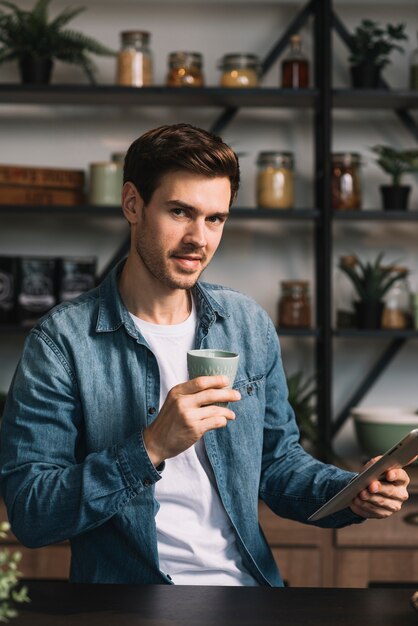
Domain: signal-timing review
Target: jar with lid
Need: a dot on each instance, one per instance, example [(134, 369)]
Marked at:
[(295, 67), (240, 70), (185, 69), (134, 63), (345, 181), (274, 185), (397, 310), (413, 70), (294, 304)]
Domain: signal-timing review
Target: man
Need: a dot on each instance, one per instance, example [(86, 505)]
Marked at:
[(105, 444)]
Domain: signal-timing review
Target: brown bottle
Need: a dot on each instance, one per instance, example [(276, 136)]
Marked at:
[(295, 67)]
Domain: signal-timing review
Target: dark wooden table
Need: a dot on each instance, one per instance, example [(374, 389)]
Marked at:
[(65, 604)]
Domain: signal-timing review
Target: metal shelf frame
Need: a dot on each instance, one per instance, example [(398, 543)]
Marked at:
[(322, 99)]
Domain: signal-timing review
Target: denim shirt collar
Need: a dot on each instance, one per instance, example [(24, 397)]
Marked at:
[(113, 313)]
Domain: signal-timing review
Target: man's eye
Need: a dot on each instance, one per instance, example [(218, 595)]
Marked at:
[(179, 212), (215, 219)]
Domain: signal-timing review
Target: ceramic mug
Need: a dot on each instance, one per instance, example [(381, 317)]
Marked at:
[(212, 362), (105, 183)]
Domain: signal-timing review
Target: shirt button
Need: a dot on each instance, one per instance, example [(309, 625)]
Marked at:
[(147, 482), (152, 410), (250, 389)]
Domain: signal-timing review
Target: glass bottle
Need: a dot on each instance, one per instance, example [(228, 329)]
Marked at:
[(345, 181), (185, 69), (295, 67), (240, 70), (413, 70), (397, 311), (134, 63), (294, 304), (274, 185)]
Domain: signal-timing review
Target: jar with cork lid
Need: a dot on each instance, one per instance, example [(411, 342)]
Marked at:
[(134, 62), (185, 69), (274, 184)]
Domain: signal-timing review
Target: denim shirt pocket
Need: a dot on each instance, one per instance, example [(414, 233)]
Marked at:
[(250, 409)]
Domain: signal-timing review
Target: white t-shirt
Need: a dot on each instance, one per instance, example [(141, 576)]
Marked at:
[(196, 541)]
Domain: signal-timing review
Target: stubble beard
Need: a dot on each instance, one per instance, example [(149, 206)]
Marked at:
[(154, 261)]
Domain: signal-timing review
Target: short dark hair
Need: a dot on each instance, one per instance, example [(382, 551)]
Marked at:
[(178, 147)]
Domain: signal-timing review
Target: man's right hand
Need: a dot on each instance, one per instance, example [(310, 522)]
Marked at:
[(187, 413)]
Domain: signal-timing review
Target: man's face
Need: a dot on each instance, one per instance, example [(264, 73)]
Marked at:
[(180, 229)]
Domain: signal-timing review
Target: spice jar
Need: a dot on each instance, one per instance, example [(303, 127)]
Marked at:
[(134, 64), (294, 304), (185, 69), (345, 181), (275, 180), (239, 70)]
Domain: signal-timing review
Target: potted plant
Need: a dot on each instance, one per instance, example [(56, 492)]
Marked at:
[(371, 281), (35, 42), (302, 391), (396, 163), (371, 46), (9, 579)]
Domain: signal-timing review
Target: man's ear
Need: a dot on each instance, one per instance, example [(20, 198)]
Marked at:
[(131, 202)]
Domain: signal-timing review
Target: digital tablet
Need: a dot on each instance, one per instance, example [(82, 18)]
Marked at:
[(400, 455)]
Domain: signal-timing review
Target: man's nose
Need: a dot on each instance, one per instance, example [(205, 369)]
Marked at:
[(196, 234)]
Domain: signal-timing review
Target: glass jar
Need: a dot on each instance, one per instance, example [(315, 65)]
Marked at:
[(134, 64), (295, 67), (240, 70), (185, 69), (294, 304), (397, 310), (345, 181), (275, 180), (413, 70)]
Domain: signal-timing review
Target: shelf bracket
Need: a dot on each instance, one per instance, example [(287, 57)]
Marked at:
[(295, 25), (380, 365)]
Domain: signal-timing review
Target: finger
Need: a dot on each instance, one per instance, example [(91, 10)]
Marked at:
[(213, 423), (370, 511), (384, 490), (398, 476), (212, 411), (214, 396), (206, 382)]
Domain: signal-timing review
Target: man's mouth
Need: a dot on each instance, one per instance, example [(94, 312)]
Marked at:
[(188, 261)]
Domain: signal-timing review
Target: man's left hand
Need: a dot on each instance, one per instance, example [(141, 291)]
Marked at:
[(382, 497)]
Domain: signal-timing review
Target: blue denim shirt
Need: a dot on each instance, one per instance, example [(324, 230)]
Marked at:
[(73, 461)]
